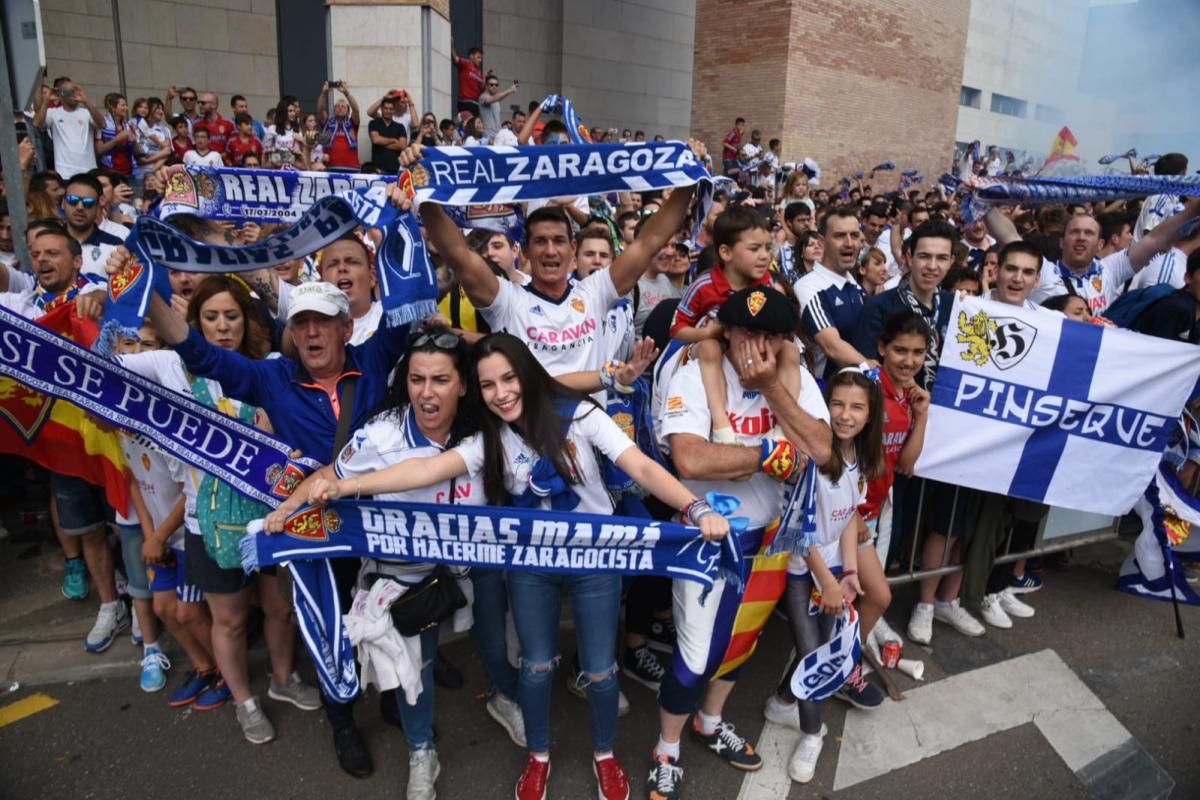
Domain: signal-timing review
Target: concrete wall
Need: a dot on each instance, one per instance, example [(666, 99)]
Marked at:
[(377, 47), (624, 64), (852, 83), (1033, 51), (226, 46)]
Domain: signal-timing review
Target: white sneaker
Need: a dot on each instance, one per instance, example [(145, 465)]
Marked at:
[(111, 620), (882, 633), (781, 713), (1014, 606), (920, 624), (423, 771), (958, 618), (993, 612), (506, 712), (803, 762)]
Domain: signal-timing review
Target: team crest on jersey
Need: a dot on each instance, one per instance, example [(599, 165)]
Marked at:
[(1097, 283), (675, 404), (1004, 341), (146, 461), (755, 302), (577, 304)]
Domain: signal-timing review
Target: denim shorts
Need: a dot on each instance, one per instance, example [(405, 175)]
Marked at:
[(81, 506), (137, 583)]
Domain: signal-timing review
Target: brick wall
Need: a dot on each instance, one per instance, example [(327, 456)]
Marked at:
[(849, 84)]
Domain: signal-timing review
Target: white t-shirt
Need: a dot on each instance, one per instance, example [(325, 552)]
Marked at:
[(1166, 267), (19, 281), (505, 138), (73, 134), (210, 159), (1101, 285), (157, 475), (366, 325), (1155, 209), (166, 368), (836, 503), (591, 429), (651, 292), (685, 410), (562, 335), (392, 438)]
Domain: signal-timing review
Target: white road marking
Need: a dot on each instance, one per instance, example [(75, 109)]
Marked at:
[(1038, 688), (775, 745)]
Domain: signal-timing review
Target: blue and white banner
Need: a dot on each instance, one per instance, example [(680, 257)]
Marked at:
[(1028, 403), (506, 538), (254, 195), (576, 130), (825, 670), (249, 460), (1154, 568)]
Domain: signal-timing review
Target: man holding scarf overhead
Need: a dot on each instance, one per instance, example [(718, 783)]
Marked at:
[(314, 402)]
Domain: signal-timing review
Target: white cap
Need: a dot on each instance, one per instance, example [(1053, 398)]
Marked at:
[(319, 296)]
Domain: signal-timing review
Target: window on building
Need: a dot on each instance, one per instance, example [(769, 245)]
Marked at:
[(971, 98), (1003, 104), (1044, 113)]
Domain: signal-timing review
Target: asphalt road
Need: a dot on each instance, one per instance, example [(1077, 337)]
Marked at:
[(106, 739)]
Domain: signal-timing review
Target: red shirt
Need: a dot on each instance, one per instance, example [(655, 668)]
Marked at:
[(220, 132), (470, 80), (707, 292), (180, 147), (237, 149), (729, 150), (897, 424)]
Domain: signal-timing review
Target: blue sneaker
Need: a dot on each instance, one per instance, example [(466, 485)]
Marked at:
[(154, 669), (215, 696), (1025, 584), (193, 685), (74, 584)]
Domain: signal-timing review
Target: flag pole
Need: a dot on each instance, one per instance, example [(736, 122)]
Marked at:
[(1160, 531)]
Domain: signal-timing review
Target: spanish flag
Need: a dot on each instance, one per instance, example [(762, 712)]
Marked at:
[(58, 435), (1062, 148)]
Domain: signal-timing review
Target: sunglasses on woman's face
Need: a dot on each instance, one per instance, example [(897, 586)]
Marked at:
[(441, 340), (74, 200)]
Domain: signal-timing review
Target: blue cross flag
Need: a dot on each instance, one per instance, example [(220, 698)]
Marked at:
[(1028, 403)]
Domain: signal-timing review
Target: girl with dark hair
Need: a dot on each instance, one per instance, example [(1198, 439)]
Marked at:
[(429, 408), (538, 433), (222, 310), (830, 569), (810, 247), (282, 139)]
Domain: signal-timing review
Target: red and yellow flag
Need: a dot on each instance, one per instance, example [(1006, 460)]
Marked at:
[(1063, 147), (58, 435)]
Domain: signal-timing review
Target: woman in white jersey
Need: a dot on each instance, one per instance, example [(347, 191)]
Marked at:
[(429, 410), (536, 429), (222, 310)]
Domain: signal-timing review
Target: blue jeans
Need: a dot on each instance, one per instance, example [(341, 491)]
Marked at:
[(418, 718), (595, 601), (489, 610)]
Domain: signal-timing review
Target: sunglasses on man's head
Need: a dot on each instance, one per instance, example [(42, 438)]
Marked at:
[(74, 200), (440, 339)]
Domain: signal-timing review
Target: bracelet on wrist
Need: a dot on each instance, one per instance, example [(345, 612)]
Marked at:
[(694, 511), (846, 573)]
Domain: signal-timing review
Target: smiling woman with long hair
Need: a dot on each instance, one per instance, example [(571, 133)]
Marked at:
[(538, 447)]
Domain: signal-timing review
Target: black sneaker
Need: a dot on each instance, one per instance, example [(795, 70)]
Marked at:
[(661, 636), (725, 742), (666, 776), (352, 753), (859, 692), (643, 667)]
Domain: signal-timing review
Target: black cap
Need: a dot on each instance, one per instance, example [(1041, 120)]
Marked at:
[(759, 308)]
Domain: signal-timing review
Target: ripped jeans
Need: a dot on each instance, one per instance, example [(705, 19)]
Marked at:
[(536, 600)]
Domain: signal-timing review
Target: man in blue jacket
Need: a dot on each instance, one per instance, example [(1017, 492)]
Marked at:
[(312, 402)]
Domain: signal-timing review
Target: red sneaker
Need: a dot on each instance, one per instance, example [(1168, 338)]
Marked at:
[(532, 784), (611, 779)]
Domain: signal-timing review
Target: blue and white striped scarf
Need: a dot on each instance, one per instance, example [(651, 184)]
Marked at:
[(984, 192), (576, 130)]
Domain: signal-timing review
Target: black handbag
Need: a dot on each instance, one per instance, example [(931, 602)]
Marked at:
[(428, 603)]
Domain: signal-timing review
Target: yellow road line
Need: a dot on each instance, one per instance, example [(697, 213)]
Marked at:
[(35, 703)]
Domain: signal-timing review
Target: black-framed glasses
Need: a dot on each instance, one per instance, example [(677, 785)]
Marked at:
[(443, 340), (75, 200)]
